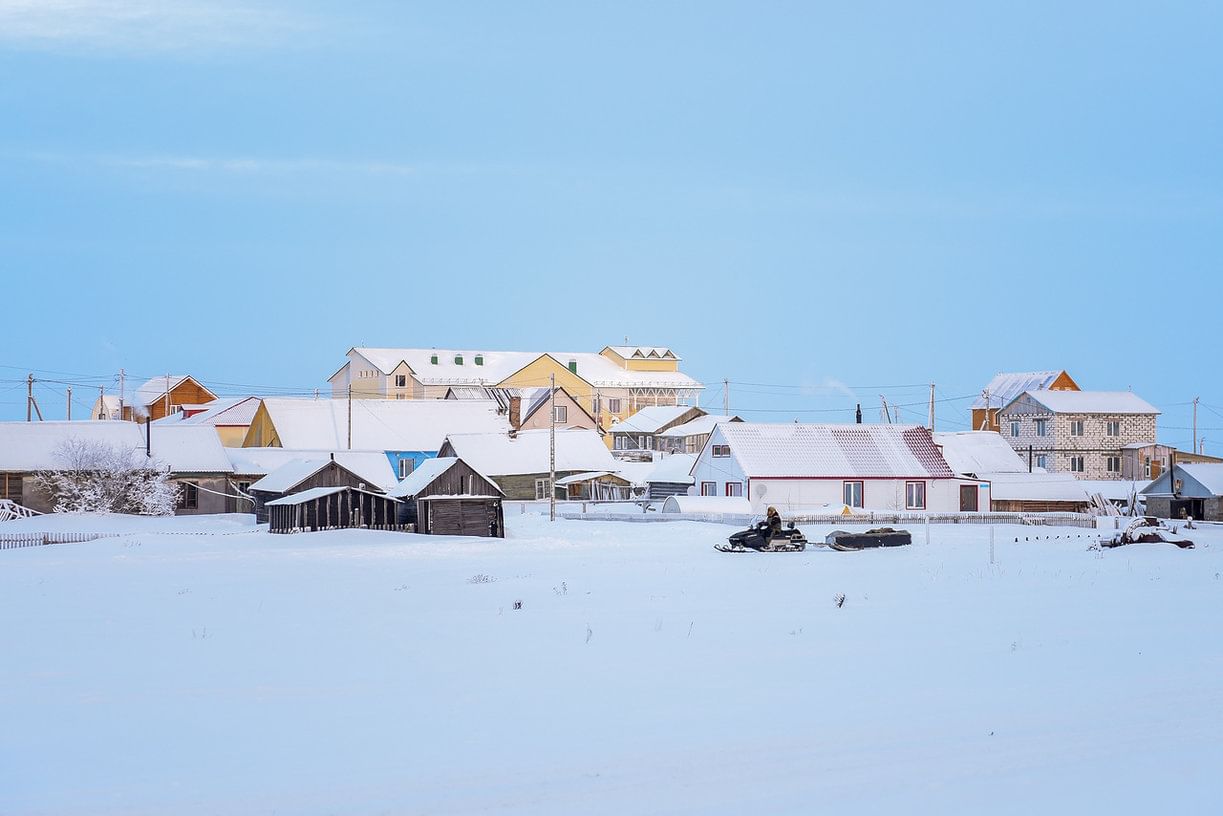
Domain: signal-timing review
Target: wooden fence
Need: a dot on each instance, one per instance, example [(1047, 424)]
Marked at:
[(13, 541), (868, 519)]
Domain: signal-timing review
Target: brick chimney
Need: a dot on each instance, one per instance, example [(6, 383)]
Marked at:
[(515, 415)]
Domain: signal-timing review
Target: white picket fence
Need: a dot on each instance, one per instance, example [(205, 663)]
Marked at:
[(14, 541)]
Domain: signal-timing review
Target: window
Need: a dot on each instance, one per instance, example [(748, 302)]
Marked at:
[(1114, 464), (401, 380), (1114, 427), (709, 488), (613, 406), (720, 451), (458, 359), (479, 359), (562, 414), (620, 441), (1014, 429), (1146, 467), (433, 359), (734, 488), (188, 496), (1042, 460), (1076, 464), (542, 488), (406, 466), (1041, 425), (915, 495), (853, 493), (1076, 427)]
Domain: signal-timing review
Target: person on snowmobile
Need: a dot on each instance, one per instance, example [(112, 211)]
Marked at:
[(771, 526)]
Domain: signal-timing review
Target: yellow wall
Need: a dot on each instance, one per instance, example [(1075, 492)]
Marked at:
[(536, 374), (653, 365), (262, 433), (232, 436)]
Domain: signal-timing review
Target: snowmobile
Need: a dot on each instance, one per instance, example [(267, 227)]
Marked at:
[(880, 537), (762, 538), (1147, 530)]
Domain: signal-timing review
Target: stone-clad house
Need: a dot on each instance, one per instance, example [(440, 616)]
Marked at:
[(1084, 433)]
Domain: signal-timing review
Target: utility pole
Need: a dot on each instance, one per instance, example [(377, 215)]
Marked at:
[(552, 450), (70, 403), (931, 407), (29, 398), (350, 416), (122, 391), (167, 396), (985, 422), (102, 403), (1195, 424), (726, 397), (884, 413)]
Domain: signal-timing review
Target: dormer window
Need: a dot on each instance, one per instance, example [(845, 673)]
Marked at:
[(479, 359), (573, 366), (458, 359), (433, 359)]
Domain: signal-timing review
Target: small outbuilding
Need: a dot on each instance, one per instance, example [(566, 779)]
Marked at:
[(599, 485), (332, 508), (446, 496), (300, 475), (1187, 491)]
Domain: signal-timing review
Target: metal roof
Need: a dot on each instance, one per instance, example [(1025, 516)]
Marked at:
[(833, 451)]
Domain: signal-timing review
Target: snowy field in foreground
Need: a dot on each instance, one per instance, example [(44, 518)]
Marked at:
[(367, 673)]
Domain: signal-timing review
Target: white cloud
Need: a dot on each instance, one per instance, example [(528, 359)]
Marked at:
[(142, 25)]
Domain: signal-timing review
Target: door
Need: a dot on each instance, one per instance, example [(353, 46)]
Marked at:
[(968, 498)]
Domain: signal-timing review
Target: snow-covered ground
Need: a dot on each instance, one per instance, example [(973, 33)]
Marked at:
[(368, 673)]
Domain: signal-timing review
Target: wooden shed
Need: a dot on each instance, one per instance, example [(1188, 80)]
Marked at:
[(372, 474), (446, 496), (332, 508)]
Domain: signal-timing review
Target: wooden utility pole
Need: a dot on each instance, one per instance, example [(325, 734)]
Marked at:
[(29, 398), (167, 395), (726, 397), (931, 407), (70, 403), (102, 403), (1195, 424), (552, 450), (122, 391), (350, 416)]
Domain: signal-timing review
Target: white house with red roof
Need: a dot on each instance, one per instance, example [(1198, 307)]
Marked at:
[(800, 468)]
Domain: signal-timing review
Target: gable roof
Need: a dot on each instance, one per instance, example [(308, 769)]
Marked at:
[(500, 454), (979, 452), (651, 419), (373, 467), (262, 461), (227, 411), (1090, 402), (188, 448), (537, 398), (497, 366), (1201, 480), (377, 424), (644, 352), (698, 427), (799, 450), (154, 389), (1005, 387), (428, 472)]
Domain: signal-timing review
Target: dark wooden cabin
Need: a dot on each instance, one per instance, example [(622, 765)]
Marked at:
[(332, 508), (300, 475), (446, 496)]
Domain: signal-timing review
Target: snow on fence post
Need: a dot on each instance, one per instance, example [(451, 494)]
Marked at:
[(927, 529)]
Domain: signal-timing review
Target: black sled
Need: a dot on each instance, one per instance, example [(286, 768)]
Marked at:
[(881, 537), (761, 539)]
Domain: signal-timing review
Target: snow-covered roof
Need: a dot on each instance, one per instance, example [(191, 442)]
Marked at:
[(800, 450), (496, 366), (30, 446), (262, 461), (498, 454), (226, 411), (377, 424), (1004, 387), (697, 427), (1208, 474), (979, 452), (1113, 489), (317, 493), (1092, 402), (589, 476), (675, 469), (373, 467), (707, 504), (426, 473), (153, 389), (650, 419), (188, 448), (1034, 487), (644, 352)]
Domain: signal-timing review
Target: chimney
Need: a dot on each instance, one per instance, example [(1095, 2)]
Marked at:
[(859, 414), (515, 415)]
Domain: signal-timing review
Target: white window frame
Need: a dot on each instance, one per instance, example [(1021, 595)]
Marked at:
[(1077, 427), (709, 488), (1042, 427), (1042, 460), (406, 466), (542, 489), (1114, 427), (720, 451), (734, 490), (910, 502), (1079, 460), (613, 405), (562, 413), (845, 486), (1014, 427), (1111, 461)]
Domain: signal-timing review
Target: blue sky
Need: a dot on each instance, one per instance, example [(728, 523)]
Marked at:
[(795, 194)]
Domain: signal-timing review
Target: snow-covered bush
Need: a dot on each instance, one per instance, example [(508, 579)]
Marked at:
[(94, 477)]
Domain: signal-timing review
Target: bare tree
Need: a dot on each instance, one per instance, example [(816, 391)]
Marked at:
[(95, 477)]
